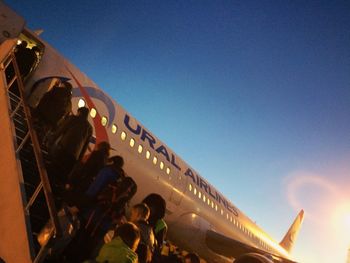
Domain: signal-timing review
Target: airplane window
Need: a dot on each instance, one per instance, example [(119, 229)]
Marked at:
[(195, 191), (168, 170), (204, 198), (148, 154), (190, 187), (132, 142), (140, 148), (199, 194), (114, 128), (81, 103), (104, 121), (212, 204), (155, 160), (123, 136), (208, 201), (216, 207), (161, 165), (93, 112)]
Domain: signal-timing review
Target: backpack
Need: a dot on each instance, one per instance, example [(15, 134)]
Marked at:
[(111, 201)]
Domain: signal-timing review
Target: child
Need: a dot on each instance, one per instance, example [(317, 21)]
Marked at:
[(139, 216)]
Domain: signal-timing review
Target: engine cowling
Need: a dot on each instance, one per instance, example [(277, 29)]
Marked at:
[(253, 258)]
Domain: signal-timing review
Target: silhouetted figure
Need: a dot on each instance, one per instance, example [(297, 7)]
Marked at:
[(55, 105), (106, 207), (139, 216), (191, 258), (157, 205), (122, 248), (26, 58), (71, 140), (86, 172)]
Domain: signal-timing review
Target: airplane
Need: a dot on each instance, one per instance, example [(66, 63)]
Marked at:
[(199, 217)]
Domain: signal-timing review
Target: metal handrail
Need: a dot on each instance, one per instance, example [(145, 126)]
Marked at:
[(38, 154)]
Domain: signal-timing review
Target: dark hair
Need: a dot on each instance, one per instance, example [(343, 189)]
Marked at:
[(103, 146), (157, 206), (83, 111), (129, 233), (117, 161), (67, 86), (24, 43), (35, 49), (193, 257)]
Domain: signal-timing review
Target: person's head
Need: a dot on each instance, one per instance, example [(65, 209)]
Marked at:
[(104, 147), (117, 161), (36, 49), (83, 112), (157, 205), (130, 234), (191, 258), (139, 212), (67, 87), (24, 44)]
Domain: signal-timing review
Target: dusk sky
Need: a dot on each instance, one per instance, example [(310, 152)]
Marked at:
[(254, 95)]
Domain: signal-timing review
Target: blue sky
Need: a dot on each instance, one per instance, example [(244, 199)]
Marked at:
[(255, 95)]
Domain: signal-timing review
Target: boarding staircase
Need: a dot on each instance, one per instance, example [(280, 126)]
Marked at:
[(26, 199)]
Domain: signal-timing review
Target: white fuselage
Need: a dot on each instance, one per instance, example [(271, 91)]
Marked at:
[(193, 205)]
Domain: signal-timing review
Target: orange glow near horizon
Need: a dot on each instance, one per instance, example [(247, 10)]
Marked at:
[(327, 219), (341, 219)]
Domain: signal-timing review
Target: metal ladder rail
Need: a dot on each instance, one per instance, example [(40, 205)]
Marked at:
[(44, 181)]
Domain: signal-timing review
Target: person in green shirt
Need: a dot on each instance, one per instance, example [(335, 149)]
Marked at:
[(122, 247)]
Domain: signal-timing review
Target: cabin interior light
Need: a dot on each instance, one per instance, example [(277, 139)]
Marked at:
[(93, 112), (104, 121), (123, 136), (114, 128), (155, 160), (81, 103)]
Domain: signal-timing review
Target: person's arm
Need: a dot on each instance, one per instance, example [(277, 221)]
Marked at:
[(160, 237), (87, 141)]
